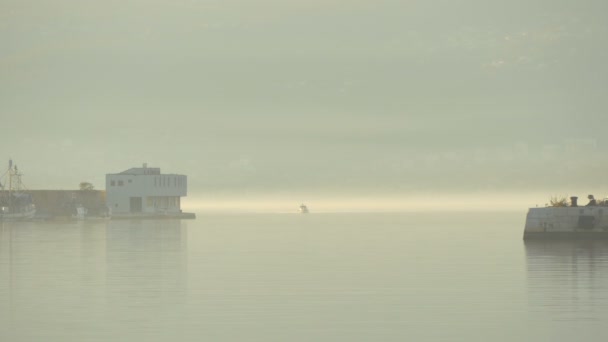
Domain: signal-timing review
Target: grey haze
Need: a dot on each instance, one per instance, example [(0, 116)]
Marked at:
[(293, 96)]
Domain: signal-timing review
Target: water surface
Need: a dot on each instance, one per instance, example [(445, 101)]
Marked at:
[(289, 277)]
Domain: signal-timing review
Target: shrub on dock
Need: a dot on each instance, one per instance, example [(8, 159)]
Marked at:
[(559, 201)]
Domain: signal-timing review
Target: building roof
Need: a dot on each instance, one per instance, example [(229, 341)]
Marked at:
[(141, 171), (145, 170)]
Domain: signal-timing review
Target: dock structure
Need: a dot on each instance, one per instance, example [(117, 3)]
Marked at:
[(144, 192), (573, 222), (62, 204)]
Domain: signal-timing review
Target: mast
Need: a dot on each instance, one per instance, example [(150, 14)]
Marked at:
[(20, 207), (10, 185)]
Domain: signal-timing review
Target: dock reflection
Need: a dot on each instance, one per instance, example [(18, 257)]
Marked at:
[(148, 255), (565, 278), (119, 271), (575, 253)]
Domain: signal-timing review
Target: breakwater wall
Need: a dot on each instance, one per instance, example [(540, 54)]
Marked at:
[(589, 222), (63, 203)]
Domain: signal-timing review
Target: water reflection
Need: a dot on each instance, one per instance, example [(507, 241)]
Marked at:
[(146, 259), (87, 274), (566, 279)]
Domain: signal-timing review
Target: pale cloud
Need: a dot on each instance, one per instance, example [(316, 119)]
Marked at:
[(499, 63), (383, 93), (243, 163)]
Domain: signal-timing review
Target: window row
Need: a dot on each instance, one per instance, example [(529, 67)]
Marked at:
[(120, 183), (169, 181), (162, 202), (158, 181)]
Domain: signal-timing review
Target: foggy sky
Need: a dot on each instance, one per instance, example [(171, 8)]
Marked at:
[(286, 96)]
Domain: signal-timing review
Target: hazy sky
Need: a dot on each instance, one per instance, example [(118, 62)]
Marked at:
[(334, 96)]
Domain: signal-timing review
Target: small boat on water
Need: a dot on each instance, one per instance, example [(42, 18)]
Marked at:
[(83, 214), (15, 204), (303, 209)]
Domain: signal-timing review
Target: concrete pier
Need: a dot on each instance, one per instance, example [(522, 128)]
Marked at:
[(561, 223), (51, 204), (153, 216)]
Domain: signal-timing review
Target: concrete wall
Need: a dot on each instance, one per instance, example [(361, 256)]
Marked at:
[(121, 187), (567, 223), (59, 203)]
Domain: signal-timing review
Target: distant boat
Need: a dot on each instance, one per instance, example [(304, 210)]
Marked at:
[(14, 203), (82, 214), (303, 209)]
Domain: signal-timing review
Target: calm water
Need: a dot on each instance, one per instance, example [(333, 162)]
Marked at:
[(289, 277)]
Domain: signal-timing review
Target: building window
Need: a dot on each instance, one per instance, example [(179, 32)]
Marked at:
[(155, 181), (121, 183), (112, 183)]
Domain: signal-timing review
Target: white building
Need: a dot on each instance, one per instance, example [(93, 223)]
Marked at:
[(145, 190)]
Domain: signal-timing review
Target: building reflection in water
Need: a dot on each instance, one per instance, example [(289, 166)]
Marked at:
[(89, 274), (146, 278), (566, 279), (146, 255)]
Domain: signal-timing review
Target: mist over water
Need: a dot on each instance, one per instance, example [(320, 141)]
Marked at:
[(367, 203), (445, 202), (417, 133)]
